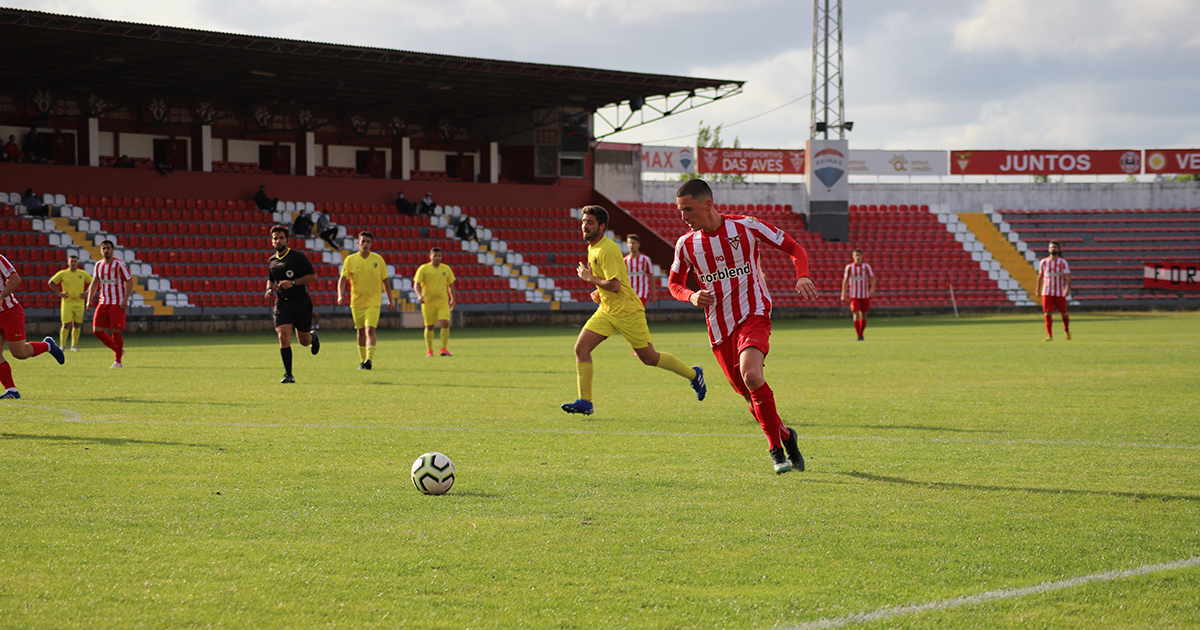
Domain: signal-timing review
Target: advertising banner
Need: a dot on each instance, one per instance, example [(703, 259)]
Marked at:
[(751, 161), (1175, 161), (668, 160), (1173, 275), (899, 163), (828, 178), (1118, 162)]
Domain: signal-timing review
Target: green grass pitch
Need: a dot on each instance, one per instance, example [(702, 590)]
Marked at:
[(947, 459)]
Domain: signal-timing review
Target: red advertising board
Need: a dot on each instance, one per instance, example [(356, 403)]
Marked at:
[(1173, 274), (1172, 161), (747, 161), (1118, 162)]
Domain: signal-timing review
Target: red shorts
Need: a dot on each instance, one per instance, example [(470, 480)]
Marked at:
[(860, 305), (1051, 303), (12, 323), (754, 332), (110, 317)]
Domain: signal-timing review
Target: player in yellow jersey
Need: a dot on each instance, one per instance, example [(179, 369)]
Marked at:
[(620, 311), (367, 274), (434, 282), (71, 285)]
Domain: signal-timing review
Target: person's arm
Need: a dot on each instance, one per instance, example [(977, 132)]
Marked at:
[(386, 291), (585, 273), (677, 284), (450, 294), (845, 283), (419, 287), (871, 289), (270, 287), (299, 282), (56, 289), (1066, 285), (128, 291), (1037, 291), (341, 288), (87, 303), (10, 287)]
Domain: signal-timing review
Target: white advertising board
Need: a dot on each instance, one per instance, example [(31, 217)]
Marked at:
[(899, 163)]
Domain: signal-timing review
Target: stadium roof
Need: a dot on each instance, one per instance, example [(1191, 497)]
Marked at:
[(49, 51)]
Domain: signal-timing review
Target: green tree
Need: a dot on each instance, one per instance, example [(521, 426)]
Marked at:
[(710, 137)]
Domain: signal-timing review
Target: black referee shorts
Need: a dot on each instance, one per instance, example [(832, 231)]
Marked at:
[(295, 311)]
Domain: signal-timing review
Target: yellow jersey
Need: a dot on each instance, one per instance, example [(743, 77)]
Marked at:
[(607, 262), (434, 282), (367, 276), (73, 283)]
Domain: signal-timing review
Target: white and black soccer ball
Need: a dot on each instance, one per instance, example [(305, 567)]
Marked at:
[(433, 473)]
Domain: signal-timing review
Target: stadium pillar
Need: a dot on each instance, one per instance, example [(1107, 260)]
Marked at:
[(88, 142), (306, 153), (493, 162), (405, 158), (202, 148)]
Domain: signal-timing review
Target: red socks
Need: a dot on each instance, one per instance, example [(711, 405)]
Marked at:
[(1066, 323), (104, 339), (762, 405), (118, 346), (6, 376), (859, 326), (1049, 322), (39, 347)]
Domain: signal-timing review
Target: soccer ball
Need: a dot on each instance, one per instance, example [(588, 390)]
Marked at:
[(433, 473)]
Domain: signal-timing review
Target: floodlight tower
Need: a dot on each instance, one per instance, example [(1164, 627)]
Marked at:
[(826, 161), (828, 102)]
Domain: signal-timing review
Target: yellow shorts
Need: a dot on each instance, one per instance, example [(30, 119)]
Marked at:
[(632, 327), (435, 312), (72, 312), (367, 316)]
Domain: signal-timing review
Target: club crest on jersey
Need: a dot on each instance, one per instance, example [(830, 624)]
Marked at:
[(734, 241)]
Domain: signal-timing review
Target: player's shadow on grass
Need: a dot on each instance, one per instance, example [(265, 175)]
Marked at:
[(71, 439), (945, 485)]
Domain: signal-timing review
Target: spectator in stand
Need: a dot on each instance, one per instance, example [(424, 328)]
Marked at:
[(465, 230), (326, 230), (12, 152), (32, 145), (123, 162), (404, 206), (263, 201), (427, 205), (33, 204), (303, 225)]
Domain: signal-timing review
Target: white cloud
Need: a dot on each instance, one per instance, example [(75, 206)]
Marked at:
[(1092, 28)]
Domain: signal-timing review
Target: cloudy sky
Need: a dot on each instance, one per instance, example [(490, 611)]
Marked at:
[(919, 74)]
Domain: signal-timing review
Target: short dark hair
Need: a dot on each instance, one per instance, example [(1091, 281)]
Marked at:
[(435, 249), (366, 234), (110, 243), (279, 228), (1053, 243), (697, 188), (856, 251), (633, 236), (72, 256), (600, 213)]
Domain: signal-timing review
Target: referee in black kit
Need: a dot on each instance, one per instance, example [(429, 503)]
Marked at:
[(287, 273)]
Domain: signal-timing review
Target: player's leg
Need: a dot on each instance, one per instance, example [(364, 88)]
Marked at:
[(443, 322), (1066, 319), (6, 378), (371, 324), (370, 347), (429, 316), (284, 332), (302, 317), (1048, 315), (68, 319), (671, 363), (100, 325), (359, 315), (589, 337), (117, 322)]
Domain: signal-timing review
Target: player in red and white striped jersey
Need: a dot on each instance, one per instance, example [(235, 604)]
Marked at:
[(723, 254), (12, 327), (1054, 287), (113, 284), (859, 281), (641, 271)]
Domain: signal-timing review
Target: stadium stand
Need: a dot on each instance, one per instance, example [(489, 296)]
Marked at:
[(1107, 248), (916, 258)]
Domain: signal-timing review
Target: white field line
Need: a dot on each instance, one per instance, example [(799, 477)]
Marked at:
[(992, 596), (70, 415)]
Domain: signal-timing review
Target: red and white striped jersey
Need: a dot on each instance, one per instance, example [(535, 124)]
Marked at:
[(7, 271), (639, 270), (1054, 272), (111, 276), (726, 262), (860, 280)]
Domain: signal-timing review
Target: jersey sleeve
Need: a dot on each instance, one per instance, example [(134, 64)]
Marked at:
[(449, 276), (57, 277), (346, 273), (677, 279)]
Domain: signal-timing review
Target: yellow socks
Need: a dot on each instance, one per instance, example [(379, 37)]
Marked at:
[(445, 337), (670, 362), (370, 353), (75, 336), (62, 339), (583, 378), (362, 353), (429, 339)]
